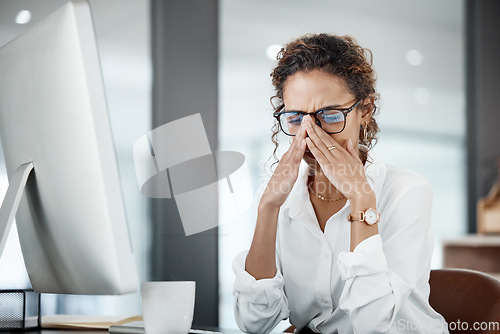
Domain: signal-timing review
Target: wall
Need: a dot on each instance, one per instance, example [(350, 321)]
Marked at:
[(185, 51), (483, 114)]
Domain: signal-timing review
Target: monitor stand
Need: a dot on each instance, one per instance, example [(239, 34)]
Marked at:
[(12, 199)]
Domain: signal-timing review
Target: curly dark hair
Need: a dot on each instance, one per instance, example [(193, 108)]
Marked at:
[(337, 55)]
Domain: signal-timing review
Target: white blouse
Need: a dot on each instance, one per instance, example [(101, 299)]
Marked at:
[(380, 287)]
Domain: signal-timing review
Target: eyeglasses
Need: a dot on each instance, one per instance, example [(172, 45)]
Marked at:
[(330, 119)]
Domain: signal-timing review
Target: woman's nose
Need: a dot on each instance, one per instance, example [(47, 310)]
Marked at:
[(308, 117), (311, 118)]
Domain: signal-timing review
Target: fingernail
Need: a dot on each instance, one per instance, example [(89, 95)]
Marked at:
[(350, 142)]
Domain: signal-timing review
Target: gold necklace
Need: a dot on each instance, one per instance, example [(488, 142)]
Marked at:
[(309, 186), (324, 198)]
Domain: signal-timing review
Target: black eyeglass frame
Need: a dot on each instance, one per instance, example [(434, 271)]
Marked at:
[(277, 114)]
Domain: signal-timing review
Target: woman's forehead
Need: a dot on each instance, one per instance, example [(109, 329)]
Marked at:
[(314, 90)]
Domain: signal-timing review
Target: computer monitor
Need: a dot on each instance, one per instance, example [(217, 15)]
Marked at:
[(55, 133)]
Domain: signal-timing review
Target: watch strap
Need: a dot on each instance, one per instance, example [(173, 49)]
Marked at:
[(361, 216), (356, 217)]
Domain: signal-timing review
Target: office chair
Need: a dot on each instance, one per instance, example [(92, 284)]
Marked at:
[(468, 296)]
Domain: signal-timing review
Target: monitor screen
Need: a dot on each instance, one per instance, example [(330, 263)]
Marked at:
[(71, 219)]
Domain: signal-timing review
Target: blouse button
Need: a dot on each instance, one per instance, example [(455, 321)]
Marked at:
[(324, 300)]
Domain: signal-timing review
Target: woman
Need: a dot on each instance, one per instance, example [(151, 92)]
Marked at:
[(343, 243)]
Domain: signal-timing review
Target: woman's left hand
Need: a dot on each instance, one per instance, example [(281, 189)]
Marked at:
[(342, 166)]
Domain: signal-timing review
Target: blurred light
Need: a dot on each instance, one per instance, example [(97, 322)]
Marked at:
[(422, 95), (414, 57), (272, 51), (23, 17)]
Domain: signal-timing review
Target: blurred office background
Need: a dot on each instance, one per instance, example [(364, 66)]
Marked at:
[(166, 59)]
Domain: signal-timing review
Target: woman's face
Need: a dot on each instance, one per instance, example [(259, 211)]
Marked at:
[(314, 90)]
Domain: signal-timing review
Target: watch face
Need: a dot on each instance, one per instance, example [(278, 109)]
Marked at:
[(371, 216)]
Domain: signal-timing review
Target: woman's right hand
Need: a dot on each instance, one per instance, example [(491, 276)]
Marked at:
[(261, 258), (286, 173)]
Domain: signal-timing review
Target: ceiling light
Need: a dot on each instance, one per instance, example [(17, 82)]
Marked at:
[(272, 51), (414, 57), (23, 17)]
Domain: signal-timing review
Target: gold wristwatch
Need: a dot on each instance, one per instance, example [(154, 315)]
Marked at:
[(370, 216)]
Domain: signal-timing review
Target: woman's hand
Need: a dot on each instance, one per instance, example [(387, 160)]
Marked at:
[(286, 173), (261, 258), (342, 166)]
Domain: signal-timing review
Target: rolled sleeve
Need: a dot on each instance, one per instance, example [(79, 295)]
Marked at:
[(367, 286), (260, 292), (259, 305), (368, 258)]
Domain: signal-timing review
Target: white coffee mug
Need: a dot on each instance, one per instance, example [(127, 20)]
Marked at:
[(168, 307)]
